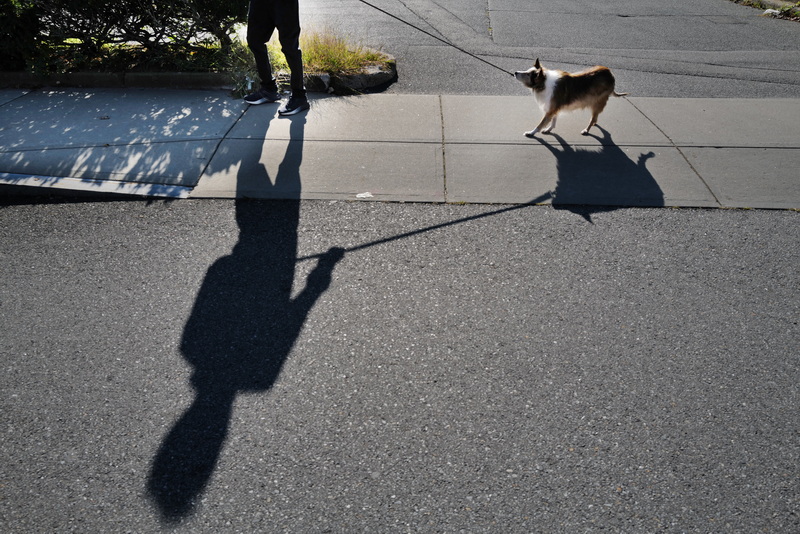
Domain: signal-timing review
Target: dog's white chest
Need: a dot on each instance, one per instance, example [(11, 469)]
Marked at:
[(545, 97)]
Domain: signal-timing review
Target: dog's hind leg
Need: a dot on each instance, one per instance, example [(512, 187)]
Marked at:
[(549, 117), (592, 122), (597, 109)]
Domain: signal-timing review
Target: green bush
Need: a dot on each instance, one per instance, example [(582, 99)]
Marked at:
[(18, 39), (56, 36), (115, 34)]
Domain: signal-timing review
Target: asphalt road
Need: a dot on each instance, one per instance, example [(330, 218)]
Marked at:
[(173, 367), (170, 366), (656, 48)]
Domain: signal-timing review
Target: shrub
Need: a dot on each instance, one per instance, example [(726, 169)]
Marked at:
[(54, 36), (76, 34), (18, 40)]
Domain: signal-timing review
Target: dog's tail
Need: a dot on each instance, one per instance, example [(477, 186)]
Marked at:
[(620, 94)]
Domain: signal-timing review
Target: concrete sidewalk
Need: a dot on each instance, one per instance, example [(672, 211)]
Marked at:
[(448, 148)]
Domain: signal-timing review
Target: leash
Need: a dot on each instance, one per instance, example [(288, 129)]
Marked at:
[(448, 43)]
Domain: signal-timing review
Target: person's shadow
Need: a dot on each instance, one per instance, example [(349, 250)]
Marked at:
[(242, 328), (596, 181)]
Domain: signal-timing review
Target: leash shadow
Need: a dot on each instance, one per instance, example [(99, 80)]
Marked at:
[(592, 181)]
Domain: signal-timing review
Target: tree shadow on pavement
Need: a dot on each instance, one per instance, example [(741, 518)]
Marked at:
[(131, 141), (599, 180), (242, 327)]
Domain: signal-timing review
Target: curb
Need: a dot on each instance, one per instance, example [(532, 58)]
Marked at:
[(778, 4), (372, 78), (775, 4)]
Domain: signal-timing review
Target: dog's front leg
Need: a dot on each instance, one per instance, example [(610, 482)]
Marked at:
[(548, 117), (552, 125)]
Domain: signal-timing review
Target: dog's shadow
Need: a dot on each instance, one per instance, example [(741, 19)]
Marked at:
[(595, 180)]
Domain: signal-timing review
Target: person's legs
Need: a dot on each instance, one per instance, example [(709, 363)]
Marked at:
[(260, 27), (290, 45), (287, 20)]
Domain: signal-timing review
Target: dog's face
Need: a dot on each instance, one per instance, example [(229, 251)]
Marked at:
[(532, 78)]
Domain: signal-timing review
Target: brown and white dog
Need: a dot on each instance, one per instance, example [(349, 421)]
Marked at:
[(556, 91)]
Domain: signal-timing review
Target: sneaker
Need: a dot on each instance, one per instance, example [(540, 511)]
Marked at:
[(262, 96), (295, 105)]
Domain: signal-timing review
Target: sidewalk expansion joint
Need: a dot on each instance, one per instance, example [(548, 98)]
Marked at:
[(676, 147), (444, 151), (219, 144), (23, 95)]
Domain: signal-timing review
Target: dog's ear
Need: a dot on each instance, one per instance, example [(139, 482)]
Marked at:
[(537, 65)]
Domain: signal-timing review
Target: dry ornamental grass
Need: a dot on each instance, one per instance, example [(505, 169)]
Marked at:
[(324, 52)]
